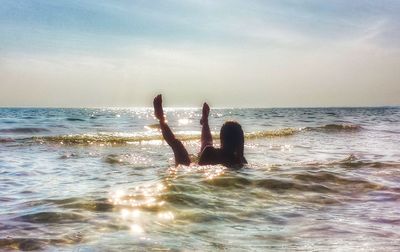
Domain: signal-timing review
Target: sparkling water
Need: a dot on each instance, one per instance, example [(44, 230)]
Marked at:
[(318, 179)]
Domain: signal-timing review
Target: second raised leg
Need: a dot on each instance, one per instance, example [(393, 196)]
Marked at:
[(206, 137)]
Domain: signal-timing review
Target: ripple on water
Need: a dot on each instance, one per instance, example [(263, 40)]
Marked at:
[(27, 244), (94, 205), (127, 159), (26, 130), (51, 217)]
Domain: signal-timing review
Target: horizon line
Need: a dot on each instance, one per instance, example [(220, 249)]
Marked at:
[(199, 107)]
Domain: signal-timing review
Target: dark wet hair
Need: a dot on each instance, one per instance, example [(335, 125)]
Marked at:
[(232, 138)]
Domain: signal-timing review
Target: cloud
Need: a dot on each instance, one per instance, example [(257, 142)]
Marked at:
[(258, 53)]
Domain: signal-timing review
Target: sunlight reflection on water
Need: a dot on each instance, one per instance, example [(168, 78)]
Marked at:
[(305, 181), (141, 206), (206, 171), (184, 121)]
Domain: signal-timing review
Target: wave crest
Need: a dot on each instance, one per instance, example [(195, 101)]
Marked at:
[(23, 130), (155, 136), (271, 133), (335, 128), (145, 137), (352, 161)]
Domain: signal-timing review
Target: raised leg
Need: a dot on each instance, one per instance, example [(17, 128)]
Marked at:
[(206, 137), (180, 153)]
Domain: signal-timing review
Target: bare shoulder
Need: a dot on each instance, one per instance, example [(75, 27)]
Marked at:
[(209, 155)]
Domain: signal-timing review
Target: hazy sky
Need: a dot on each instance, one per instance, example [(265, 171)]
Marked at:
[(231, 53)]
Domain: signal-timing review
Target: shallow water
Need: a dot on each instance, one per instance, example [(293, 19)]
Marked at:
[(103, 180)]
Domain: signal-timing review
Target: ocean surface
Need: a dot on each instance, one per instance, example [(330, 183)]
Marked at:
[(318, 179)]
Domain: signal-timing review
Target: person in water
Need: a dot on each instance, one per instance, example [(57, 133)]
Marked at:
[(232, 141)]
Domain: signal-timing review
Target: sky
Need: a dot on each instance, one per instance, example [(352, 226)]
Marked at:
[(230, 53)]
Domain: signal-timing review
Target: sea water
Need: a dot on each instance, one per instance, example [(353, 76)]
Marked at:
[(318, 179)]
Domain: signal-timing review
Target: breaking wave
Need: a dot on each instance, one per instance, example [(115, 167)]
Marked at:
[(332, 128), (272, 133), (112, 139), (6, 140), (155, 136)]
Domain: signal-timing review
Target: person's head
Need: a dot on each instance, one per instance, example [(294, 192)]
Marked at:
[(232, 138)]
